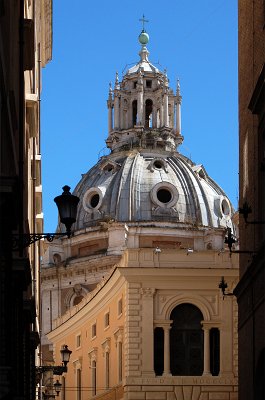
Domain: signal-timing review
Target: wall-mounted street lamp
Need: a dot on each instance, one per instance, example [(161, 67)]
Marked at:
[(57, 387), (230, 239), (67, 207), (245, 210), (57, 369), (223, 286)]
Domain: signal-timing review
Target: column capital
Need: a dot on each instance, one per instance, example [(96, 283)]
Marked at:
[(147, 292), (165, 324), (207, 325)]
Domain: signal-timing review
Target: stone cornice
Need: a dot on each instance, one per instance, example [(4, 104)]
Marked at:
[(95, 262), (91, 303), (47, 32)]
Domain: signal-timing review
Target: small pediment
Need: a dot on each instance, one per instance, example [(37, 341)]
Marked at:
[(200, 171), (158, 164), (110, 166)]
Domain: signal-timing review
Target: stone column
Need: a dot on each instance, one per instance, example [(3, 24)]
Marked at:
[(109, 116), (116, 110), (161, 114), (154, 116), (110, 105), (147, 331), (165, 108), (178, 119), (140, 106), (206, 349), (166, 325), (178, 110)]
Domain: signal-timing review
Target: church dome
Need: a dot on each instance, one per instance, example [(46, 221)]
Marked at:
[(147, 185), (145, 179)]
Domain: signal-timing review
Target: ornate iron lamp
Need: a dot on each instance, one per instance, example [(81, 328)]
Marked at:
[(67, 207)]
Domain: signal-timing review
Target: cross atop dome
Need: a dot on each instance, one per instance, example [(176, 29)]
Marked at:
[(143, 37), (143, 20)]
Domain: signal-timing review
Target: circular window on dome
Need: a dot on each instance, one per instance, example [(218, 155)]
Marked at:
[(92, 199), (158, 164), (164, 194)]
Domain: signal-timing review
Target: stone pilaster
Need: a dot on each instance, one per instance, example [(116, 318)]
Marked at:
[(132, 339), (147, 331)]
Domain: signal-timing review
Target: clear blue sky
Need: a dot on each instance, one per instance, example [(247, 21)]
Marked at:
[(195, 40)]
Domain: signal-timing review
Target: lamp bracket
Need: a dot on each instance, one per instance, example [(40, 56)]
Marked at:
[(55, 369), (25, 240), (230, 240)]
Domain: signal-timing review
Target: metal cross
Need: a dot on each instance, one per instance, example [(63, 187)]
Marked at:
[(143, 21)]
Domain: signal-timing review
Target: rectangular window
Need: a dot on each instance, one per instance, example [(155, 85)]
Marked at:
[(106, 320), (120, 307), (78, 340), (94, 330), (134, 84), (148, 84)]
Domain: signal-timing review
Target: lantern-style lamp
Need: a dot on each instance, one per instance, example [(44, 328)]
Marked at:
[(57, 387), (65, 354), (67, 207)]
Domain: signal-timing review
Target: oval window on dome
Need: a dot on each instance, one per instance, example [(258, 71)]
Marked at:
[(222, 207), (225, 207), (94, 200)]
